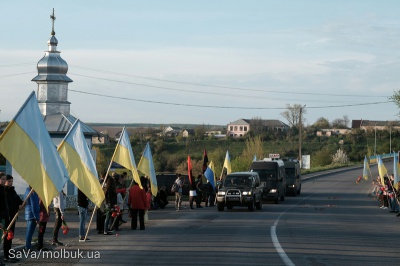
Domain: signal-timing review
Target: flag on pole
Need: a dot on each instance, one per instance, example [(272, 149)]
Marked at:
[(190, 175), (366, 168), (227, 163), (396, 168), (146, 166), (27, 145), (210, 174), (80, 165), (382, 170), (205, 162), (123, 155)]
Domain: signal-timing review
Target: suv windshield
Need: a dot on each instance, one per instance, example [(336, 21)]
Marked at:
[(237, 181), (290, 173)]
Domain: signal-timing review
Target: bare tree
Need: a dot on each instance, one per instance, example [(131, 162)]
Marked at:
[(341, 122), (292, 114)]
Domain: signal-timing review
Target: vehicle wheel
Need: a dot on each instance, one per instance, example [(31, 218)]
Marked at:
[(229, 207), (251, 206), (220, 206), (259, 205), (276, 200), (295, 191), (298, 192), (283, 197)]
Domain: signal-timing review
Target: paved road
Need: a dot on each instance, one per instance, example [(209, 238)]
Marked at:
[(333, 222)]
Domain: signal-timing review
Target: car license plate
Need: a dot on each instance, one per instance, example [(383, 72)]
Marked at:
[(233, 199)]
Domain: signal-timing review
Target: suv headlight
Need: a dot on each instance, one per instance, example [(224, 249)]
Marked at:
[(246, 193), (272, 191), (221, 193)]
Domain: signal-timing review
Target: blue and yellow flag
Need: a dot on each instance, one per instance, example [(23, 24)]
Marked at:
[(396, 169), (227, 163), (123, 155), (80, 165), (210, 174), (366, 168), (27, 145), (146, 166), (382, 170)]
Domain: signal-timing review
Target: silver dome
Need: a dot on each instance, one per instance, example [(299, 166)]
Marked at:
[(52, 67)]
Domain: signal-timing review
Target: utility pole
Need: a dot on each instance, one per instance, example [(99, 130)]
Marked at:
[(300, 130)]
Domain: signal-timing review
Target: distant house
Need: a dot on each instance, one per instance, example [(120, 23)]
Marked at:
[(332, 132), (375, 125), (171, 131), (241, 127), (101, 139), (187, 132)]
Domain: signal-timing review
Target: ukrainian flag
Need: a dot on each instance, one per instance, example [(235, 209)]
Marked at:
[(210, 174), (396, 168), (227, 163), (366, 168), (382, 170), (146, 166), (80, 165), (27, 145), (123, 155)]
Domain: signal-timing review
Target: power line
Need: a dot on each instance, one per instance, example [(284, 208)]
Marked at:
[(18, 74), (215, 106), (194, 91), (225, 87)]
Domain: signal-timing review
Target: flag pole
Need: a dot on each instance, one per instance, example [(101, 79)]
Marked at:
[(104, 181), (16, 215)]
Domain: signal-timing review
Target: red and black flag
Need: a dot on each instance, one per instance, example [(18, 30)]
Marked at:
[(205, 162), (190, 175)]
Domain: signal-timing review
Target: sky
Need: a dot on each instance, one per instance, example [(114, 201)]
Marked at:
[(207, 62)]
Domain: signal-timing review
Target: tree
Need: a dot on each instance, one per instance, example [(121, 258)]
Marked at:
[(292, 114), (341, 122), (256, 126), (321, 123), (199, 132), (101, 161), (396, 99)]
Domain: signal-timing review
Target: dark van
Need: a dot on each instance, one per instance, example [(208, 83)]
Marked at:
[(293, 176), (273, 178)]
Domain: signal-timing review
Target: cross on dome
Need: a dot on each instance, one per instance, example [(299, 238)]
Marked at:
[(53, 18)]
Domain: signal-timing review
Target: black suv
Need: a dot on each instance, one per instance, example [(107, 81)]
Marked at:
[(240, 189)]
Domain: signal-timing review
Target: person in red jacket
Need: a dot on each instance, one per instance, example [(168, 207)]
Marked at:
[(137, 203)]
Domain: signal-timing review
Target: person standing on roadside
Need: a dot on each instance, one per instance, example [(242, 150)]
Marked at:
[(14, 204), (137, 203), (178, 193), (59, 207), (83, 204), (44, 218), (32, 215), (110, 192)]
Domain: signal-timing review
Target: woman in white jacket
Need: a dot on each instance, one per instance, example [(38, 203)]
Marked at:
[(59, 207)]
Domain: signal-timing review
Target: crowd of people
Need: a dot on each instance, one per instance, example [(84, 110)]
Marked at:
[(122, 197), (387, 193), (198, 192)]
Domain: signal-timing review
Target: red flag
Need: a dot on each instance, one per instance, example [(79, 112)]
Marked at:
[(189, 162), (205, 162)]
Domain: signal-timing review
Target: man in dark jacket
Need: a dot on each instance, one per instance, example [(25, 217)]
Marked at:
[(14, 204), (83, 204)]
